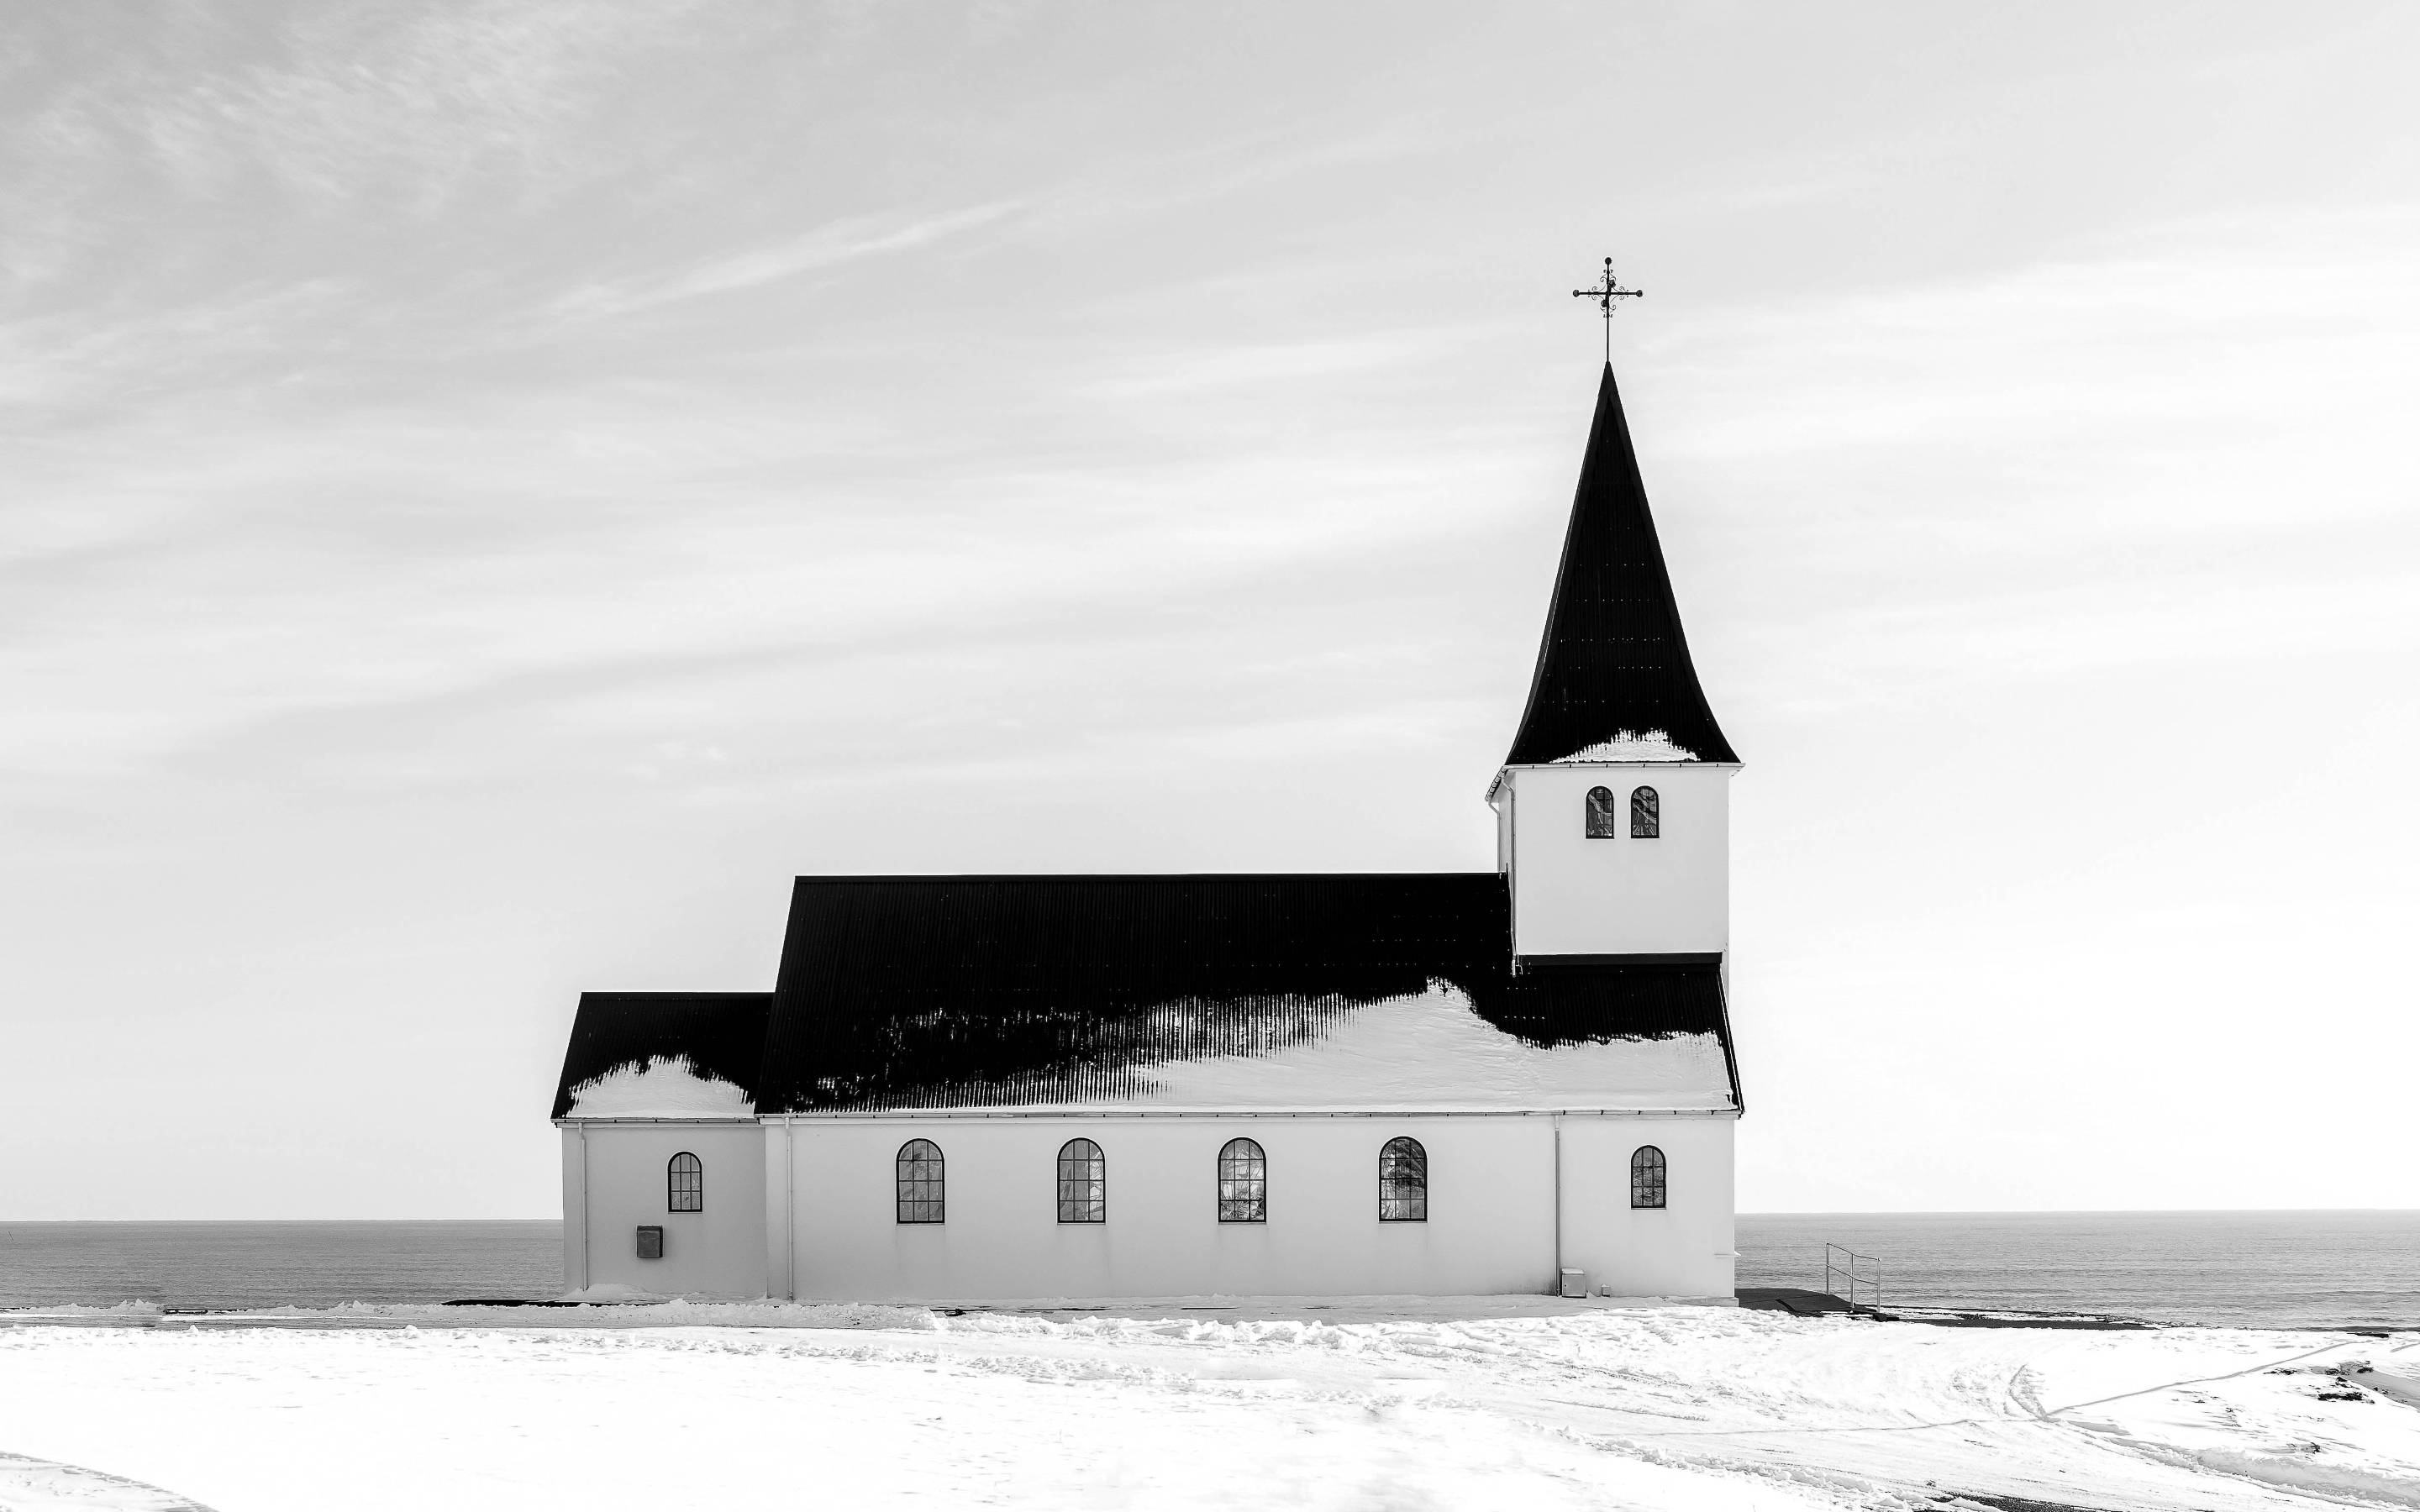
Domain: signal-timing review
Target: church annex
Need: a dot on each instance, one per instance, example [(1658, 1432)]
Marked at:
[(981, 1088)]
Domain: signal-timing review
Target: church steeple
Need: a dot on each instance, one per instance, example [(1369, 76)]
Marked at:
[(1614, 680)]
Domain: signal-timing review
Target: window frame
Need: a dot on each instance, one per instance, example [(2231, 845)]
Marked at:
[(1646, 819), (1603, 822), (1402, 1193), (1650, 1179), (1083, 1182), (921, 1186), (1243, 1181), (675, 1188)]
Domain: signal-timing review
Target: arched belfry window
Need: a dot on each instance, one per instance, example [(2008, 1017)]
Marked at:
[(1403, 1182), (1600, 813), (1083, 1183), (920, 1183), (1646, 818), (1647, 1177), (1243, 1184), (685, 1183)]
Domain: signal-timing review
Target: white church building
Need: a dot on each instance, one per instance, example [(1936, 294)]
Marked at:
[(994, 1087)]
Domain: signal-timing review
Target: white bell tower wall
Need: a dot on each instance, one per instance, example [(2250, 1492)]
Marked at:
[(1617, 895)]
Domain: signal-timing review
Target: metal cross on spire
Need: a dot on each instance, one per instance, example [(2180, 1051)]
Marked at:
[(1607, 291)]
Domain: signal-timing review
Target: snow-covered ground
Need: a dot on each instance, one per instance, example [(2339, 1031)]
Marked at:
[(779, 1406)]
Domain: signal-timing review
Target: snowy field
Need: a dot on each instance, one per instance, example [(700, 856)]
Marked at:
[(774, 1407)]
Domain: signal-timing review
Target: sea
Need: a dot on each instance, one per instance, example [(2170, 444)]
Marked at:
[(2355, 1268), (2236, 1269)]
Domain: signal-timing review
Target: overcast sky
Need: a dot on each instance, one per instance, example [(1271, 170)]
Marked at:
[(489, 492)]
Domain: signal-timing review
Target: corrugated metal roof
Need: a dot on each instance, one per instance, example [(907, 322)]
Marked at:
[(1613, 659), (937, 992), (721, 1034)]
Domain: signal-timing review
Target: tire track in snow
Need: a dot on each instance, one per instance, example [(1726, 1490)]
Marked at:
[(2343, 1486), (2193, 1381), (2036, 1413), (2017, 1424)]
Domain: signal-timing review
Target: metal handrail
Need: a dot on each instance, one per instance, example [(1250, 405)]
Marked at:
[(1846, 1269)]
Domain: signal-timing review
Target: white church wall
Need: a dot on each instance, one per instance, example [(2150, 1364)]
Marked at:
[(1683, 1249), (1620, 896), (1490, 1226), (716, 1251), (575, 1208)]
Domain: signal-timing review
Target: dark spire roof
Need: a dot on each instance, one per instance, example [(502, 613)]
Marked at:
[(1613, 659)]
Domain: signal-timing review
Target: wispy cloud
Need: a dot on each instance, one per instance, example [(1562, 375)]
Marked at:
[(257, 133), (402, 103), (852, 239), (1262, 363)]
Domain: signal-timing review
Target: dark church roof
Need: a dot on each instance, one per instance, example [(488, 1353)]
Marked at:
[(991, 991), (1613, 660)]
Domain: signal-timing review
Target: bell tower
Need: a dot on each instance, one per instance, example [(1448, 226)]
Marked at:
[(1613, 807)]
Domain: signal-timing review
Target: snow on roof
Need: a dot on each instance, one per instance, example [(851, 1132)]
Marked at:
[(1630, 746), (666, 1086), (717, 1037), (1431, 1050)]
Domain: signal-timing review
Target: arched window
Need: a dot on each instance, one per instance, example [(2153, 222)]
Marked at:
[(1600, 813), (1243, 1184), (685, 1183), (1083, 1183), (1403, 1182), (1647, 1177), (920, 1183), (1645, 824)]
